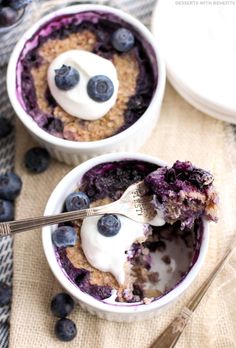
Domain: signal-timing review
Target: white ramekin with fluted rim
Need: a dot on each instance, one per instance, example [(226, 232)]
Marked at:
[(74, 152), (103, 310)]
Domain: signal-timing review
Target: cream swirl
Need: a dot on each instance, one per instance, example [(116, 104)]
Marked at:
[(76, 101), (108, 253)]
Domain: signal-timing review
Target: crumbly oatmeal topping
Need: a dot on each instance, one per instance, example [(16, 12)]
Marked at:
[(77, 258)]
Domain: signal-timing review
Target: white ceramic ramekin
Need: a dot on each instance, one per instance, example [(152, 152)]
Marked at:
[(106, 311), (73, 152)]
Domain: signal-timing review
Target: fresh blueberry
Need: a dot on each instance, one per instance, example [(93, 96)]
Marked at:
[(6, 211), (170, 176), (62, 305), (37, 160), (201, 178), (10, 186), (100, 88), (66, 77), (8, 16), (65, 330), (64, 236), (122, 40), (82, 275), (109, 225), (5, 294), (19, 4), (5, 126), (77, 201)]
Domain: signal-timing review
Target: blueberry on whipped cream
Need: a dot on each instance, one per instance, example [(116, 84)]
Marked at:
[(109, 225), (66, 78), (100, 88)]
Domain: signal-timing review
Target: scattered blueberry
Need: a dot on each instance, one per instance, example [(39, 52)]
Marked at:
[(10, 186), (201, 178), (37, 159), (62, 305), (64, 236), (8, 16), (66, 78), (19, 4), (109, 225), (100, 88), (170, 176), (5, 294), (5, 125), (77, 201), (65, 330), (6, 211), (122, 40)]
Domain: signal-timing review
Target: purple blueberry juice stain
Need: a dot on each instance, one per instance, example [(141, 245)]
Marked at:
[(102, 25), (80, 277), (94, 185)]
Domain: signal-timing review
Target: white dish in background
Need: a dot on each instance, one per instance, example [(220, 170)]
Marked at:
[(199, 45), (198, 105)]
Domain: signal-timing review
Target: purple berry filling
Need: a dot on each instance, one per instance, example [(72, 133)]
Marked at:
[(102, 25), (112, 179), (183, 193), (81, 278)]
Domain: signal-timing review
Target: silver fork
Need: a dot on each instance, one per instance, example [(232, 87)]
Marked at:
[(134, 204)]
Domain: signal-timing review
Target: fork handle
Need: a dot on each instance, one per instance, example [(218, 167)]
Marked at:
[(12, 227)]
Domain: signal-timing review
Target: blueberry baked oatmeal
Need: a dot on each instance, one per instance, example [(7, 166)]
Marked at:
[(86, 76), (115, 259)]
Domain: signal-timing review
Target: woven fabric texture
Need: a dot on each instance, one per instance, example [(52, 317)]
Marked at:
[(181, 133), (6, 164)]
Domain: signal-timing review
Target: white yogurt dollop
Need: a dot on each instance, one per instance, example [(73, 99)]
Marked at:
[(76, 101), (108, 253)]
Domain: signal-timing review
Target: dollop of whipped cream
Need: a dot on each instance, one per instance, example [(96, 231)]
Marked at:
[(108, 253), (76, 101)]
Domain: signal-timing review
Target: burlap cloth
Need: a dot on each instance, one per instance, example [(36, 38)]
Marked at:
[(181, 133)]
